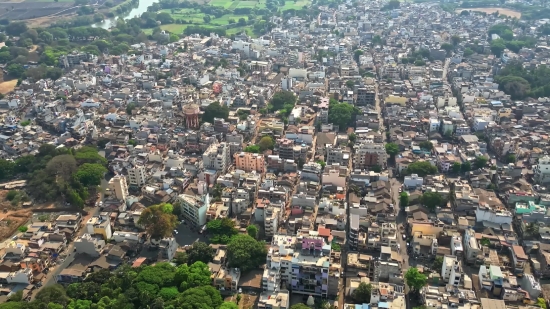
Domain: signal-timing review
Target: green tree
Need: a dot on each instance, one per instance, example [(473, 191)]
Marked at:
[(252, 231), (252, 149), (322, 163), (404, 199), (468, 52), (532, 229), (352, 137), (158, 221), (62, 167), (341, 114), (376, 168), (426, 145), (90, 174), (466, 167), (52, 294), (392, 149), (541, 302), (480, 162), (15, 70), (511, 158), (362, 294), (455, 39), (447, 47), (437, 264), (200, 252), (282, 98), (245, 252), (497, 47), (180, 258), (432, 200), (204, 297), (299, 306), (215, 110), (421, 168), (414, 279), (457, 167), (350, 84), (266, 143), (229, 305)]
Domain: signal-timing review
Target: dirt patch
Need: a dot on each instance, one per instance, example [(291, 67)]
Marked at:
[(8, 86), (501, 11), (248, 301), (46, 20)]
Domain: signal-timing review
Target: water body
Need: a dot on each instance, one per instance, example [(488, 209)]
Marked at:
[(135, 12)]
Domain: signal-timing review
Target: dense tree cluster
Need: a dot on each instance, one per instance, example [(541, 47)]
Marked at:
[(215, 110), (341, 114), (519, 82), (56, 172), (158, 220), (421, 168), (158, 286)]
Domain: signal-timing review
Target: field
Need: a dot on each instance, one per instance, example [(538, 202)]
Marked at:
[(28, 10), (233, 4), (6, 87), (501, 11)]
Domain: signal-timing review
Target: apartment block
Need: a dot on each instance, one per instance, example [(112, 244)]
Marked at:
[(217, 157), (137, 176), (100, 225), (194, 207), (249, 162), (118, 186), (368, 153)]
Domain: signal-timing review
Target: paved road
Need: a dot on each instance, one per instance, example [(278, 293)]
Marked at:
[(186, 236)]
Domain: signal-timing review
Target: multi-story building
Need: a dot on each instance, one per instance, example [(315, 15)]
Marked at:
[(450, 270), (272, 218), (119, 187), (366, 96), (353, 235), (249, 162), (100, 225), (137, 176), (194, 207), (217, 157), (337, 155), (542, 170), (368, 153), (289, 150)]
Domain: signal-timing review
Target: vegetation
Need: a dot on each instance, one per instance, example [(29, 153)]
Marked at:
[(252, 231), (427, 145), (362, 294), (215, 110), (341, 114), (414, 279), (158, 220), (266, 143), (457, 167), (22, 229), (432, 200), (335, 247), (221, 230), (421, 168), (158, 286), (520, 82), (404, 199), (252, 149), (282, 100), (437, 264), (392, 149), (480, 162), (246, 252), (200, 252), (466, 167)]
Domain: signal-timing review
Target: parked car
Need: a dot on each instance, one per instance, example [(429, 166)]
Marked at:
[(175, 232)]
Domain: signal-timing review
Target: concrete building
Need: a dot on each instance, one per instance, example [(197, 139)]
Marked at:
[(89, 245), (194, 207), (137, 176), (542, 170), (451, 271), (100, 225), (217, 157), (249, 162), (119, 187), (369, 154)]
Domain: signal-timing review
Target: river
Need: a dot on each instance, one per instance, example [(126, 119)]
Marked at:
[(135, 12)]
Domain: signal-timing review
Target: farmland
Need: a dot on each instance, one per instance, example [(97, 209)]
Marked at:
[(501, 11)]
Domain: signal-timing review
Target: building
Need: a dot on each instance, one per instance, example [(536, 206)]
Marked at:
[(450, 270), (249, 162), (353, 236), (542, 170), (413, 181), (369, 154), (137, 176), (217, 157), (226, 279), (194, 207), (89, 245), (100, 225), (366, 96), (119, 187)]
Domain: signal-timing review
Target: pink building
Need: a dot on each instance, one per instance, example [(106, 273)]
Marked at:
[(249, 162)]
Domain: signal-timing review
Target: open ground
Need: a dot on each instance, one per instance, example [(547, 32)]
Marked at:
[(501, 11)]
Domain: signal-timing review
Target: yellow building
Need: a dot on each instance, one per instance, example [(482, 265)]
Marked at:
[(100, 225)]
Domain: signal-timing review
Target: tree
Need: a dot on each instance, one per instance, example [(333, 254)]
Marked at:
[(541, 302), (90, 174), (466, 167), (158, 221), (421, 168), (238, 299), (242, 22), (468, 52), (204, 297), (16, 28), (392, 149), (15, 70), (252, 149), (180, 258), (511, 158), (188, 277), (299, 306), (447, 47), (341, 114), (414, 279), (322, 163), (362, 293), (282, 98), (46, 37), (350, 84), (252, 231), (200, 252), (532, 229), (404, 199), (517, 87), (457, 167), (438, 263), (229, 305), (357, 54), (22, 229), (426, 145), (215, 110), (53, 293), (455, 39), (222, 230), (480, 162), (352, 137), (266, 143), (245, 252), (63, 167), (497, 47), (165, 18), (376, 168), (432, 200)]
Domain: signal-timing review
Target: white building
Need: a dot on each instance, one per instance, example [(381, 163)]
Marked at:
[(194, 207), (413, 181), (542, 170), (137, 176), (369, 154), (451, 270), (118, 186), (217, 157), (493, 215)]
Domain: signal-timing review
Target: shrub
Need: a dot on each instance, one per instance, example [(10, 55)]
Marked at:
[(11, 195)]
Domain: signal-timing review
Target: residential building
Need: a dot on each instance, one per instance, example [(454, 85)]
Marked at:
[(368, 154), (118, 186), (137, 176), (249, 162), (100, 225)]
